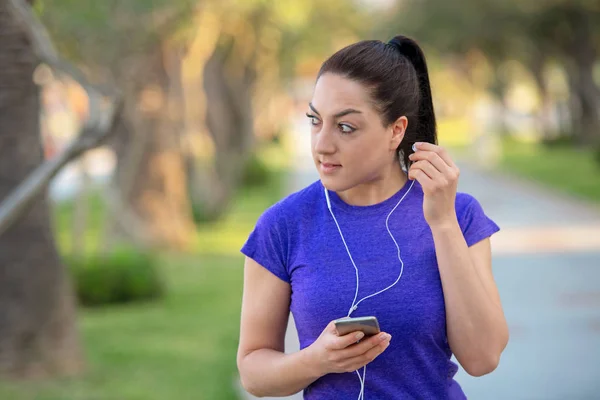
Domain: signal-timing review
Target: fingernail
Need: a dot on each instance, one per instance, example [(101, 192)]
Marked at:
[(414, 147), (359, 335)]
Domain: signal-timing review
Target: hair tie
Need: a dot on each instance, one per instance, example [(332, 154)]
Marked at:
[(407, 49), (395, 43)]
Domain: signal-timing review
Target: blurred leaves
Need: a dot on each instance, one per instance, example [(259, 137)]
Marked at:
[(501, 28), (124, 275), (536, 34), (96, 31), (100, 32)]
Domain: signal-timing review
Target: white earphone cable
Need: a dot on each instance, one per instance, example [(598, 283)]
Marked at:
[(352, 307), (361, 395), (355, 304)]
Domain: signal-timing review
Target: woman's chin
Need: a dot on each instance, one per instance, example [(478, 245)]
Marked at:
[(334, 184)]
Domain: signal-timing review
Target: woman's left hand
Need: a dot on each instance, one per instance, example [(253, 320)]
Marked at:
[(438, 175)]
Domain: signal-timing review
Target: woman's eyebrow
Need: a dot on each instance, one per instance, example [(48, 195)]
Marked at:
[(338, 115)]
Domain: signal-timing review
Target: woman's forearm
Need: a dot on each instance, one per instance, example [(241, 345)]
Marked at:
[(267, 372), (477, 331)]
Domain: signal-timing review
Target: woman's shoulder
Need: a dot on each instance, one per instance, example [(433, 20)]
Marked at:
[(305, 198), (466, 204), (293, 205), (464, 200), (473, 219)]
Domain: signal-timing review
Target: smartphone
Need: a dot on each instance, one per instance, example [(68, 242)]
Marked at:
[(368, 325)]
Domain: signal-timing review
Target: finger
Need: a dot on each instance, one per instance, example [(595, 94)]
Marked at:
[(442, 152), (329, 330), (420, 176), (360, 361), (341, 342), (331, 327), (426, 182), (429, 170), (364, 346), (433, 158)]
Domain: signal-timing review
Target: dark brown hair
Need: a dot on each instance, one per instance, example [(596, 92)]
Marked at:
[(396, 75)]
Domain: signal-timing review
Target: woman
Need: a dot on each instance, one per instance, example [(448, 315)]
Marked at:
[(372, 238)]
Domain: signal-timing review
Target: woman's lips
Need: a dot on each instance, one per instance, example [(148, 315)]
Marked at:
[(329, 168)]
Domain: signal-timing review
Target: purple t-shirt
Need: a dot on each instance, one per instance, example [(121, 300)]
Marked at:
[(297, 240)]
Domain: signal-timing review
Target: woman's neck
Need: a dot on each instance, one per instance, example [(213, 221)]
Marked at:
[(378, 190)]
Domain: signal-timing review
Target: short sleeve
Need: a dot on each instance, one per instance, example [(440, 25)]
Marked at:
[(267, 243), (474, 223)]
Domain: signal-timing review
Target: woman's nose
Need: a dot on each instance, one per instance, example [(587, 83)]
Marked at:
[(323, 141)]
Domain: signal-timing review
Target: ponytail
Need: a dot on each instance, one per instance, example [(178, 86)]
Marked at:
[(426, 125)]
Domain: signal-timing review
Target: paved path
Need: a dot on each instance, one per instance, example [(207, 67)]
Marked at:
[(547, 268)]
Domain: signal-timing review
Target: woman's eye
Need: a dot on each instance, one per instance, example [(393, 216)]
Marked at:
[(313, 120), (346, 129)]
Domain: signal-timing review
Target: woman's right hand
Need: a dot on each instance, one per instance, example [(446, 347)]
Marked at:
[(331, 353)]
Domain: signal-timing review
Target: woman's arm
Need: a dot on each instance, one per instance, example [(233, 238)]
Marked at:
[(477, 329), (264, 368)]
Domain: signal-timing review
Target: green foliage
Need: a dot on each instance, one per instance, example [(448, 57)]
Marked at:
[(535, 34), (504, 30), (201, 216), (63, 221), (122, 276), (182, 347), (565, 168), (228, 234), (263, 184), (597, 155), (256, 172), (100, 33), (564, 140)]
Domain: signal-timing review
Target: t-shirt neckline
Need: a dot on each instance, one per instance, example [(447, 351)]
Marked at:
[(373, 209)]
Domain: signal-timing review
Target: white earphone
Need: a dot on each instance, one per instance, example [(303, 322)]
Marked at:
[(355, 304)]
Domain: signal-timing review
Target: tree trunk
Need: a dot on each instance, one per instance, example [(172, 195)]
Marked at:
[(545, 123), (588, 96), (498, 88), (150, 173), (229, 120), (38, 335), (582, 55)]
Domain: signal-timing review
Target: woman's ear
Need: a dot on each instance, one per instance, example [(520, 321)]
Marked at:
[(398, 130)]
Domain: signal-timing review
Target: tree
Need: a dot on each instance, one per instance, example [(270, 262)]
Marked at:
[(128, 43), (224, 57), (534, 33), (238, 68), (38, 336)]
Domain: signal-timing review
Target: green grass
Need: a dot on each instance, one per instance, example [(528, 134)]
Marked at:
[(180, 347), (96, 218), (568, 169)]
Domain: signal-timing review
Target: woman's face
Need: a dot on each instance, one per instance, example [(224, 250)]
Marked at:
[(350, 145)]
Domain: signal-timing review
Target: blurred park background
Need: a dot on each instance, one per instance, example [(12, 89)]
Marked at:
[(141, 139)]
